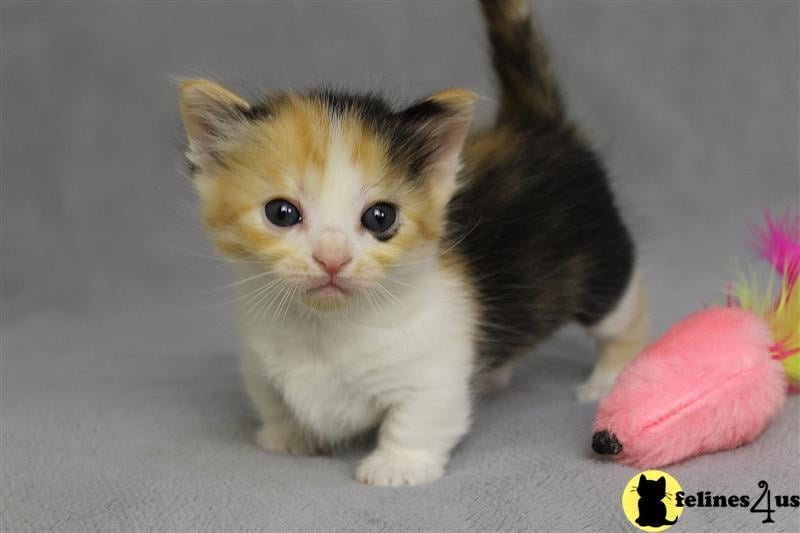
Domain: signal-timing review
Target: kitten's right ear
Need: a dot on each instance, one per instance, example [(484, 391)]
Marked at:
[(211, 116), (642, 479)]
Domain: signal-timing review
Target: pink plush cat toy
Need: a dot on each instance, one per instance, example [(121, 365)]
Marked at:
[(716, 378)]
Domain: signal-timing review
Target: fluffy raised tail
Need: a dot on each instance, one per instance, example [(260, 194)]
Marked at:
[(528, 88)]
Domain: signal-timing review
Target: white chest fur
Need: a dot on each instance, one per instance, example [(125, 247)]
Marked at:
[(339, 374)]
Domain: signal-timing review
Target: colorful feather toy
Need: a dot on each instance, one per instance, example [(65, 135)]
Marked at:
[(714, 380)]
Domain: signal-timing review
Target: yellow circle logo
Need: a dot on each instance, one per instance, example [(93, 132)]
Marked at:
[(649, 500)]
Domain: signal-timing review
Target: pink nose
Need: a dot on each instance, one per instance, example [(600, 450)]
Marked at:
[(332, 253), (332, 265)]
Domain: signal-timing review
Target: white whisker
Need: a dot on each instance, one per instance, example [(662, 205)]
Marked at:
[(388, 293), (237, 283)]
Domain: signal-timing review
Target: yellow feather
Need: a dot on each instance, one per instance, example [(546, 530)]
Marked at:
[(781, 311)]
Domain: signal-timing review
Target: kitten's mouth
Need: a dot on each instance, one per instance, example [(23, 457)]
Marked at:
[(329, 287)]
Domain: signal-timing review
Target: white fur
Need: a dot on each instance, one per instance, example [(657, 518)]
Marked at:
[(320, 377), (321, 371), (403, 364), (334, 375), (620, 318), (622, 333)]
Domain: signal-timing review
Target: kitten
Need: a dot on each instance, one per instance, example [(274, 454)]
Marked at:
[(391, 265)]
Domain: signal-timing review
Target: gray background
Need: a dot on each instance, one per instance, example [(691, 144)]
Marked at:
[(121, 405)]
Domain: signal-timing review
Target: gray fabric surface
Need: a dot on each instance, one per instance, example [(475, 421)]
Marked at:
[(121, 405)]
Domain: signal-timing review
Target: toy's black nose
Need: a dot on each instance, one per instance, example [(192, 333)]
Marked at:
[(606, 443)]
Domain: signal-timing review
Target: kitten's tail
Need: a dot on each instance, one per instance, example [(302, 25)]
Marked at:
[(528, 87)]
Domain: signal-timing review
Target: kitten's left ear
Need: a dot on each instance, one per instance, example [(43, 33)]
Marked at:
[(441, 123), (211, 116)]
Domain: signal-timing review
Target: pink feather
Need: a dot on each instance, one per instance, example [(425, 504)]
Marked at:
[(708, 384), (779, 243)]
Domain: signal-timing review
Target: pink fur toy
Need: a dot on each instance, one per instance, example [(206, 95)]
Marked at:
[(716, 378)]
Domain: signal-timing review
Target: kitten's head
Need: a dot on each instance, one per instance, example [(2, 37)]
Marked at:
[(653, 490), (331, 194)]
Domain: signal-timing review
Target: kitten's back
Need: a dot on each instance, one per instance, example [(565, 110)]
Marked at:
[(535, 221)]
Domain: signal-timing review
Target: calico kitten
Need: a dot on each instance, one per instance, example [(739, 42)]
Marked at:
[(391, 265)]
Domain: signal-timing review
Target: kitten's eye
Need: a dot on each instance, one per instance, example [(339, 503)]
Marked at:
[(379, 219), (282, 213)]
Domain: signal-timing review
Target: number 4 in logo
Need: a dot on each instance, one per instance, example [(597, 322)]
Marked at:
[(769, 510)]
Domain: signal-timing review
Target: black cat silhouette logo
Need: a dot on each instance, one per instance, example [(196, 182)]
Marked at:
[(649, 500)]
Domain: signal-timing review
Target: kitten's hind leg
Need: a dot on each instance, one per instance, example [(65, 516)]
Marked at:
[(621, 335)]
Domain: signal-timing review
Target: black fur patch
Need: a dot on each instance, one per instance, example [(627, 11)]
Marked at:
[(537, 227), (370, 107), (535, 221), (411, 145), (521, 64), (407, 131)]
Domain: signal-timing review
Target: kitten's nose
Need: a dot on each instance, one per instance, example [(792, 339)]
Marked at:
[(332, 252)]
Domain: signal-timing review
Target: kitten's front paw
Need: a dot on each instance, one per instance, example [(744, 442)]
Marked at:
[(284, 437), (391, 469)]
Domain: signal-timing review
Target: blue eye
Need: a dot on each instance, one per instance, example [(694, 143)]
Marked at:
[(282, 213), (379, 220)]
